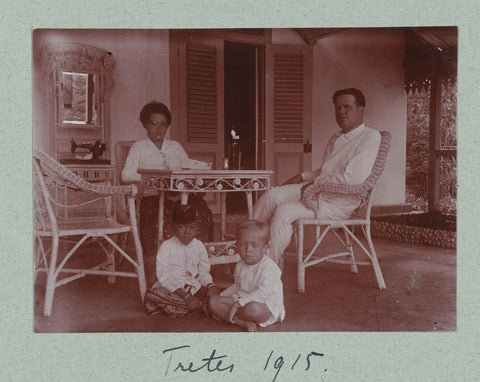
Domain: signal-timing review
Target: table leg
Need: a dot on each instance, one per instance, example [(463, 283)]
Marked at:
[(249, 204), (223, 212), (161, 204)]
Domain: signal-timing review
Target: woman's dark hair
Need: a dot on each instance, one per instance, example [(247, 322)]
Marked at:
[(154, 107), (359, 97)]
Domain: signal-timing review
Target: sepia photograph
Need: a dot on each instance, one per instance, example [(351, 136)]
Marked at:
[(245, 180)]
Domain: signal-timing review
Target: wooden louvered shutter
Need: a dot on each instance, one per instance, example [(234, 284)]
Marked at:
[(197, 96), (202, 100), (288, 98), (197, 89)]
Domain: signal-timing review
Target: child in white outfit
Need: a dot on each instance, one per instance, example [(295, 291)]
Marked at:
[(256, 297), (183, 271)]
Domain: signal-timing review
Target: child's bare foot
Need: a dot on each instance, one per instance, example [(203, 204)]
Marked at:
[(251, 326)]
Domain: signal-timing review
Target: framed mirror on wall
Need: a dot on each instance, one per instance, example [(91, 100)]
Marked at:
[(79, 79), (78, 101)]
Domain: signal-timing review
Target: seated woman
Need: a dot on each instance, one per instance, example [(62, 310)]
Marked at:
[(157, 152)]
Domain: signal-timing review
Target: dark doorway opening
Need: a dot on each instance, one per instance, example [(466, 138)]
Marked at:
[(240, 110)]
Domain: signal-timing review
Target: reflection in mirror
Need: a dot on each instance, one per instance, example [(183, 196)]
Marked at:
[(78, 102)]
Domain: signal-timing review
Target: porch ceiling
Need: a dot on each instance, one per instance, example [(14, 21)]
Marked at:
[(439, 38), (422, 43), (311, 35), (443, 39)]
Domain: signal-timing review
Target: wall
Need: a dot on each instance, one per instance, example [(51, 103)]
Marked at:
[(141, 74), (370, 60)]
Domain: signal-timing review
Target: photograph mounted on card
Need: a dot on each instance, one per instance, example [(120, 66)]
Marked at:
[(310, 131)]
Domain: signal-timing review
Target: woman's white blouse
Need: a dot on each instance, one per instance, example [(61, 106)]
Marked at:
[(145, 155)]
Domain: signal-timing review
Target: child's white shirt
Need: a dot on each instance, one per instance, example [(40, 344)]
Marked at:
[(259, 282), (180, 265)]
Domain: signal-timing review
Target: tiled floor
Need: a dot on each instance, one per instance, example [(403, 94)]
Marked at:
[(420, 296)]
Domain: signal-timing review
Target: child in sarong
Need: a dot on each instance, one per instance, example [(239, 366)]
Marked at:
[(256, 297), (183, 283)]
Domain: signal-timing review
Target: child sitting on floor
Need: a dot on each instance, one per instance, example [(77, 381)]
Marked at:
[(182, 270), (256, 297)]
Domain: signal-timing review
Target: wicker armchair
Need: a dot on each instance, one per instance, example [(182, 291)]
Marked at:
[(54, 223), (122, 148), (361, 218)]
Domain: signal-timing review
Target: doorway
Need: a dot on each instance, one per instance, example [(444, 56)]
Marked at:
[(240, 110)]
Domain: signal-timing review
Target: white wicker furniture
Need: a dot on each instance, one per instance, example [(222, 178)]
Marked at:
[(215, 181), (361, 219), (122, 148), (52, 226)]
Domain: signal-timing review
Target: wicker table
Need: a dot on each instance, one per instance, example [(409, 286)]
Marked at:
[(221, 181)]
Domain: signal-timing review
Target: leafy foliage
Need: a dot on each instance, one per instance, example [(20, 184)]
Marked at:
[(418, 109)]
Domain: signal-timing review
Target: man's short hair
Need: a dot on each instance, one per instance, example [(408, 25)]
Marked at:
[(359, 97), (254, 225)]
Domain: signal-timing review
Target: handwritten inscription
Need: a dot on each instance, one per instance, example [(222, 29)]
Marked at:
[(208, 363), (279, 362), (179, 361)]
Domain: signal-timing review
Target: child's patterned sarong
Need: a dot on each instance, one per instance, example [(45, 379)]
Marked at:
[(160, 299)]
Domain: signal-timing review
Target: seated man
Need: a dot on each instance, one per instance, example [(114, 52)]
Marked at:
[(348, 159)]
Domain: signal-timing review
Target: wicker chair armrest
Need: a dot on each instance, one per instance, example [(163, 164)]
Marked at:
[(102, 189), (58, 171), (310, 193), (105, 189)]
